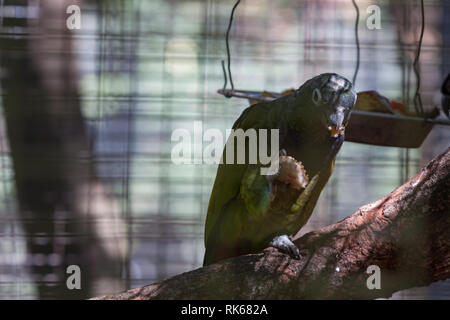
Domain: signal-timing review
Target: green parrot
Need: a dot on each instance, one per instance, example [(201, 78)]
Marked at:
[(248, 210)]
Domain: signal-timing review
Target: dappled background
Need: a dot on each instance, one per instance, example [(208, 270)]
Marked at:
[(86, 118)]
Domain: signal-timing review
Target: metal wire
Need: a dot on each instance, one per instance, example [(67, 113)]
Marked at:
[(357, 42), (224, 77), (230, 22), (417, 98), (358, 58)]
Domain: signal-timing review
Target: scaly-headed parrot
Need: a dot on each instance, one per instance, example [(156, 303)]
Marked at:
[(249, 211)]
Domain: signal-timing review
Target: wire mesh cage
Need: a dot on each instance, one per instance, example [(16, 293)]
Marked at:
[(88, 113)]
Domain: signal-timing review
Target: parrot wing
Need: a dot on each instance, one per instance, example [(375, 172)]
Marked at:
[(230, 176)]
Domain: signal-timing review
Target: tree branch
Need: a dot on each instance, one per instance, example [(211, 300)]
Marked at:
[(405, 233)]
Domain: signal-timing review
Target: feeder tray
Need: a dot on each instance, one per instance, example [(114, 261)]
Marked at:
[(373, 128)]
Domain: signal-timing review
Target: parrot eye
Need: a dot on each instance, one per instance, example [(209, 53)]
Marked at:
[(316, 96)]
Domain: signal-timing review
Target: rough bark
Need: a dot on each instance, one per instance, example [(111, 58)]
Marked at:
[(405, 233)]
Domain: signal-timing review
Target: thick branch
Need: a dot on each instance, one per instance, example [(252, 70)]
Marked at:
[(405, 233)]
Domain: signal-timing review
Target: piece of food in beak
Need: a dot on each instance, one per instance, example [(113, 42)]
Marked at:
[(336, 132), (292, 172), (336, 120)]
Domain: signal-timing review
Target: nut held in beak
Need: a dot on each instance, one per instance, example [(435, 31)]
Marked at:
[(335, 132)]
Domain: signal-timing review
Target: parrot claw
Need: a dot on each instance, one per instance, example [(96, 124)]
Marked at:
[(285, 244)]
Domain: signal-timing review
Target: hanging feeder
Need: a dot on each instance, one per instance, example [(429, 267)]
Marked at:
[(368, 127)]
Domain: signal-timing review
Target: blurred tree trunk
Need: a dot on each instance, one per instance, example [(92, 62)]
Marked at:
[(66, 212)]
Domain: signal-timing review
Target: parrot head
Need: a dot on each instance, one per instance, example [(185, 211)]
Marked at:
[(323, 102)]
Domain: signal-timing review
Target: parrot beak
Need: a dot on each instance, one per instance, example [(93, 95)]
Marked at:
[(336, 126)]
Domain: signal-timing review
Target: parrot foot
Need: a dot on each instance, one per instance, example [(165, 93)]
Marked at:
[(285, 244)]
